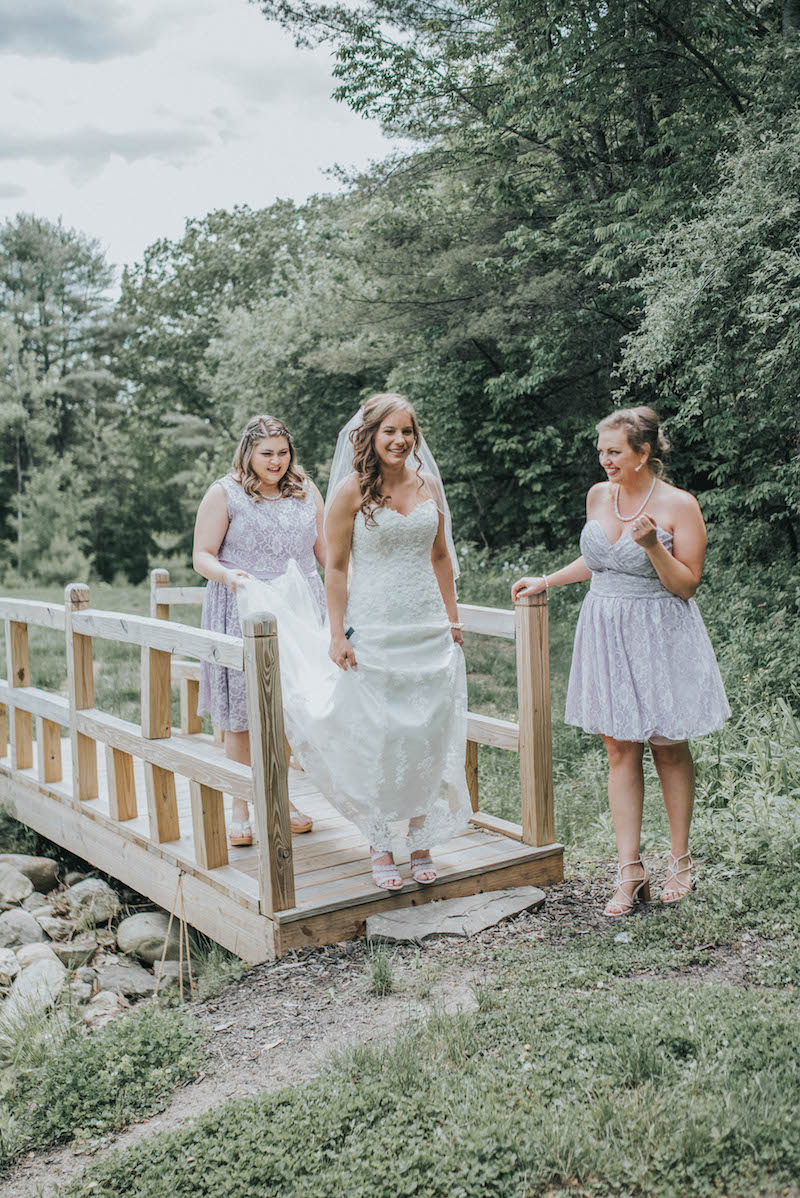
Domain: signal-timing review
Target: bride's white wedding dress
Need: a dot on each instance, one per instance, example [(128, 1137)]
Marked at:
[(384, 743)]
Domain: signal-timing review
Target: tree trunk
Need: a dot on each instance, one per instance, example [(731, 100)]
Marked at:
[(791, 16)]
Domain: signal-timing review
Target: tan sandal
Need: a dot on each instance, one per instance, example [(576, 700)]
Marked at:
[(384, 873), (423, 870), (240, 833), (300, 822)]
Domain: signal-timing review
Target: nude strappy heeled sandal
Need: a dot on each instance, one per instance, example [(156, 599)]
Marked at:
[(422, 864), (640, 892), (678, 890)]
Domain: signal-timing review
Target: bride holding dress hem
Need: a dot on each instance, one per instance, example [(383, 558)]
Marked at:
[(375, 702)]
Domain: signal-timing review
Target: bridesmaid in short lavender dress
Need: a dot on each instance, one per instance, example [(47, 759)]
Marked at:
[(252, 523), (643, 669)]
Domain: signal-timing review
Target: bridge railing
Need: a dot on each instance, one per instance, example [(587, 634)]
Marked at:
[(527, 625)]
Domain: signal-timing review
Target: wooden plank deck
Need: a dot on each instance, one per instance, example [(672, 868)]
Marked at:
[(333, 883)]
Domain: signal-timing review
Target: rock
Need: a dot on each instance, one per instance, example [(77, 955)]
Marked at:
[(37, 902), (42, 871), (9, 966), (104, 1007), (73, 876), (35, 989), (169, 973), (18, 927), (85, 973), (75, 952), (80, 991), (93, 900), (454, 917), (14, 886), (56, 926), (130, 980), (28, 953), (106, 937), (143, 936)]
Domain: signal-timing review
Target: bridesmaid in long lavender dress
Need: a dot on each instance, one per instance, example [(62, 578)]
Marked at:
[(643, 669), (252, 523)]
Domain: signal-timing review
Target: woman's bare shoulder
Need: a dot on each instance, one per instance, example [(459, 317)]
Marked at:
[(597, 494)]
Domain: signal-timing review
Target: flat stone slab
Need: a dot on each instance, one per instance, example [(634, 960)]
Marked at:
[(454, 917)]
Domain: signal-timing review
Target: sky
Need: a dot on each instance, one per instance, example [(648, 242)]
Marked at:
[(125, 117)]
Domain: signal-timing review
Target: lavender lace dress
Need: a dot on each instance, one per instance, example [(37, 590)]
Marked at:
[(643, 667), (262, 538)]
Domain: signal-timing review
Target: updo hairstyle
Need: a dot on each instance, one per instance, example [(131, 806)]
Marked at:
[(366, 463), (642, 428), (293, 484)]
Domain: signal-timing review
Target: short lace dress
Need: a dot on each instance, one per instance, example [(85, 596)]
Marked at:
[(643, 668), (263, 537)]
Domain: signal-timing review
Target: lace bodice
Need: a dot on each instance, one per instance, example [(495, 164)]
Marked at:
[(263, 537), (392, 579), (622, 568)]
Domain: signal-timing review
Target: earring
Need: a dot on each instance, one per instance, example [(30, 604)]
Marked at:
[(638, 468)]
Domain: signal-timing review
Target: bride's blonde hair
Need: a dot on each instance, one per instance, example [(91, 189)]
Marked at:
[(366, 463), (293, 484)]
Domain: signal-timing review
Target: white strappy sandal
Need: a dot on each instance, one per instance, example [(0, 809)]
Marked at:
[(422, 865), (384, 873), (674, 889)]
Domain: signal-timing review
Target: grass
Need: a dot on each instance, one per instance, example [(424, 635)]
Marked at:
[(58, 1083), (380, 975), (596, 1062)]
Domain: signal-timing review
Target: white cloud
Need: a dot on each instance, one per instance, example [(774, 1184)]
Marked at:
[(80, 30), (220, 108)]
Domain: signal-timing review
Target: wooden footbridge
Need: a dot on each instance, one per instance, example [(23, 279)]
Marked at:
[(150, 808)]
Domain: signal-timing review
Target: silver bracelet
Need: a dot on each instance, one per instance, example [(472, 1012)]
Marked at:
[(455, 624), (546, 583)]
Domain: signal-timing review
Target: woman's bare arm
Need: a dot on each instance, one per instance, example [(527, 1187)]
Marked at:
[(209, 533), (339, 534), (320, 548), (443, 569)]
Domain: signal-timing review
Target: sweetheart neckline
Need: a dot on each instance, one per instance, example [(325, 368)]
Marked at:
[(407, 515), (626, 531)]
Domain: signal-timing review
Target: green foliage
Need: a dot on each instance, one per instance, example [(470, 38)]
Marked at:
[(657, 1089), (380, 974), (64, 1083)]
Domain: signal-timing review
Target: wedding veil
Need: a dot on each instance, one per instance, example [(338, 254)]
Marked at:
[(342, 468)]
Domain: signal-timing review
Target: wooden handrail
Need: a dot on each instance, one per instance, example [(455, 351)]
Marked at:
[(146, 631), (31, 611)]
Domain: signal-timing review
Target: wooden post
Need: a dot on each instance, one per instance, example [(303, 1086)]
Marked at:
[(471, 767), (19, 674), (190, 695), (156, 682), (268, 758), (80, 686), (535, 744), (121, 784), (208, 825), (162, 803), (48, 739)]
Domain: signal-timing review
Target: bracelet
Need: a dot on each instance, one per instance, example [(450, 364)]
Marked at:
[(455, 624), (546, 583)]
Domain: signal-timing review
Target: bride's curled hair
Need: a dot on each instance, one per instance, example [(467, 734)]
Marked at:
[(293, 484), (366, 462), (642, 428)]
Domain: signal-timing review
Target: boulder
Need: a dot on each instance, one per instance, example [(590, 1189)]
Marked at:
[(80, 991), (132, 980), (85, 973), (104, 1007), (14, 886), (42, 871), (9, 966), (34, 989), (28, 953), (75, 952), (143, 936), (18, 927), (93, 900), (73, 876), (37, 903)]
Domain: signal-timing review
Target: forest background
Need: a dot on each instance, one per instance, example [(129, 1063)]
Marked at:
[(602, 207)]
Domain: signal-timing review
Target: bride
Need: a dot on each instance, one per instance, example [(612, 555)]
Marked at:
[(377, 716)]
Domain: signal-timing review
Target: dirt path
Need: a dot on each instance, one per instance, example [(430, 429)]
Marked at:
[(279, 1022)]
